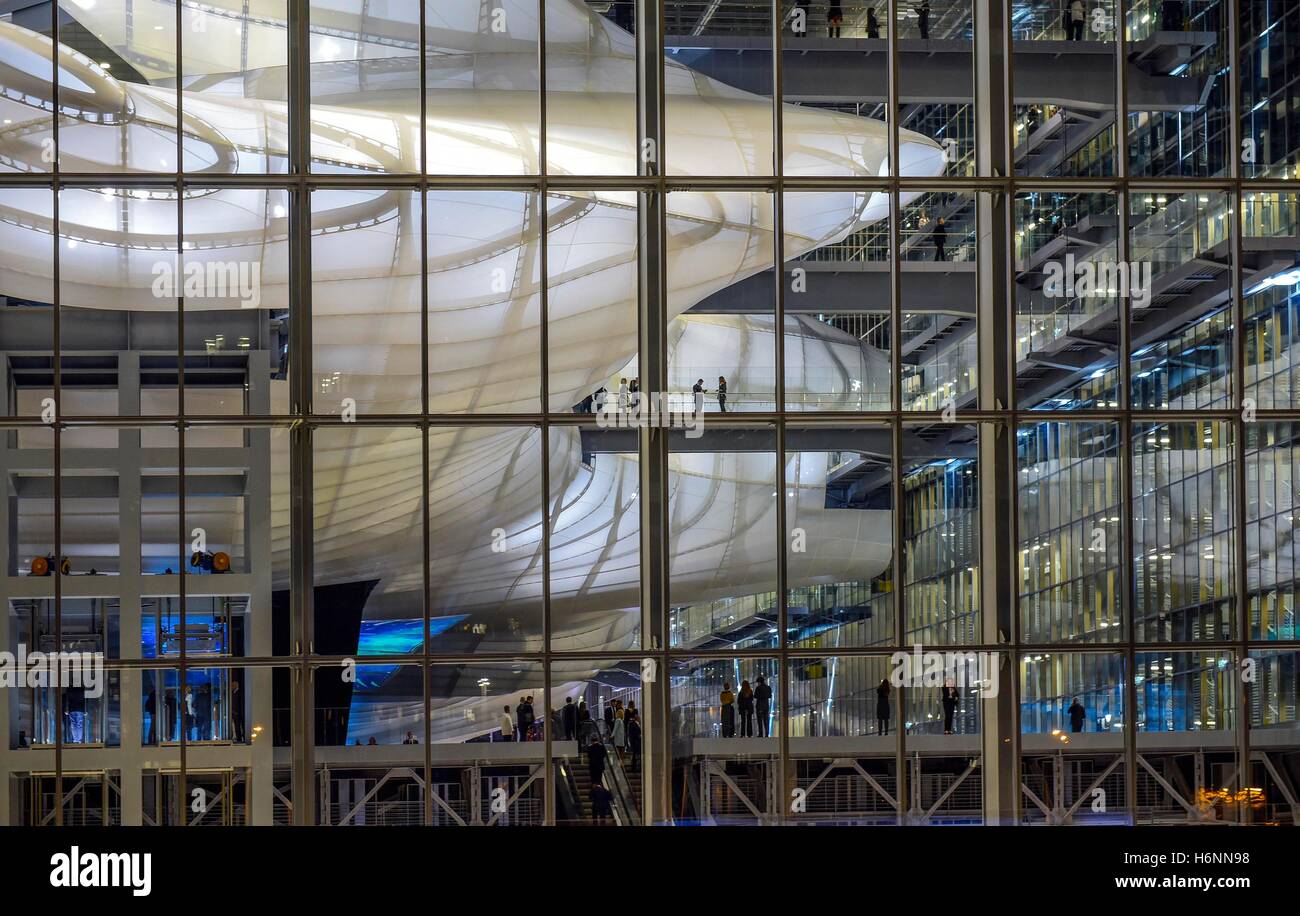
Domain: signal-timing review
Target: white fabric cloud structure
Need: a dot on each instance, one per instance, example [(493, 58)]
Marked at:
[(484, 298)]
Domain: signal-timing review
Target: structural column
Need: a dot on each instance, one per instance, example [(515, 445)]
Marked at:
[(999, 723), (653, 443)]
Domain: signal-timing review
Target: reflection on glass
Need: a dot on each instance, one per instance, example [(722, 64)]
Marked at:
[(1070, 532), (1183, 524)]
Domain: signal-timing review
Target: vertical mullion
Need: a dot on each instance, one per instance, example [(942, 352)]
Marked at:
[(783, 771), (56, 361), (1125, 400), (181, 573), (427, 502), (896, 395), (1236, 226), (542, 209)]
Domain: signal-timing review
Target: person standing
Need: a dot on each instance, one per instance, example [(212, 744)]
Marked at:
[(745, 703), (698, 391), (722, 393), (151, 710), (940, 237), (521, 719), (189, 714), (1077, 716), (507, 723), (923, 19), (873, 24), (1076, 17), (237, 710), (763, 705), (569, 719), (949, 705), (586, 727), (834, 18), (727, 699), (634, 394), (622, 394), (609, 718), (619, 736), (634, 738), (1171, 16), (882, 706), (74, 706), (596, 760)]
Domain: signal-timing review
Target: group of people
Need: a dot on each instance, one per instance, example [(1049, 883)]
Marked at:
[(522, 726), (835, 19), (753, 702), (196, 712), (698, 391)]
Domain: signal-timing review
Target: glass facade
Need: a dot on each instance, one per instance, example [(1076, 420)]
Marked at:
[(530, 412)]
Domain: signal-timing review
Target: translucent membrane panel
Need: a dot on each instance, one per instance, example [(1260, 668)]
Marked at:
[(367, 505), (236, 301), (595, 538), (27, 62), (601, 732), (484, 263), (365, 85), (1178, 106), (1071, 133), (238, 538), (366, 302), (718, 88), (940, 331), (482, 102), (934, 39), (1070, 532), (1270, 220), (485, 530), (234, 79), (592, 246), (1068, 290), (27, 310), (720, 302), (487, 728), (117, 95), (837, 301), (1269, 38), (120, 283), (723, 538), (839, 536), (1178, 286), (941, 534), (1183, 531), (1272, 516), (590, 87)]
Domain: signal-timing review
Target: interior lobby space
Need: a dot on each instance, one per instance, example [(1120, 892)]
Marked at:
[(649, 412)]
